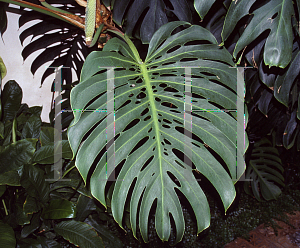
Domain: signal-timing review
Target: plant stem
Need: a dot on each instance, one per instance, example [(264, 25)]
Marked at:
[(5, 209), (14, 127)]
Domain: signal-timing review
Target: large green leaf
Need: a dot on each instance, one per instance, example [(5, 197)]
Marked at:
[(46, 154), (11, 178), (148, 16), (11, 99), (283, 84), (32, 127), (203, 6), (109, 239), (79, 234), (33, 180), (59, 209), (275, 16), (264, 171), (7, 237), (17, 154), (149, 126)]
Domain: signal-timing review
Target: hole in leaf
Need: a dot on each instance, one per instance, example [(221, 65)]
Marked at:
[(141, 95), (166, 154), (168, 63), (173, 49), (185, 159), (131, 124), (170, 105), (163, 85), (157, 99), (167, 142), (145, 111), (189, 134), (188, 59), (165, 120), (173, 178), (147, 118), (150, 130), (171, 89), (127, 102), (147, 162), (166, 126), (139, 144), (178, 122)]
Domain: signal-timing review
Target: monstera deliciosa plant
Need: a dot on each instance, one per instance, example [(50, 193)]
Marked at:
[(149, 125), (157, 98)]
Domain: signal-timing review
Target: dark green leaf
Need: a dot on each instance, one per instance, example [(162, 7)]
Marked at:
[(30, 228), (31, 205), (203, 6), (59, 209), (47, 154), (47, 135), (79, 233), (148, 16), (109, 239), (284, 83), (33, 181), (11, 100), (7, 237), (264, 170), (84, 206), (275, 16), (1, 129), (2, 189), (11, 178), (32, 127), (17, 154)]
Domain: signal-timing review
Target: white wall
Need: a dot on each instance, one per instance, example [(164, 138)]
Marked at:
[(10, 50)]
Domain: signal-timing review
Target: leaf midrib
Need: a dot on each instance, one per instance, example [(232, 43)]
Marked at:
[(146, 77)]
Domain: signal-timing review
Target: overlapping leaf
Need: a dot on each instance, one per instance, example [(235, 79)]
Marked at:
[(275, 16), (79, 233), (264, 171), (148, 16), (149, 126)]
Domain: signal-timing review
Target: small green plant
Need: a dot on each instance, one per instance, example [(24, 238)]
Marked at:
[(35, 209)]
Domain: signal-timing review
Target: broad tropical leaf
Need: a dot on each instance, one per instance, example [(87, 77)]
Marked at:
[(17, 154), (59, 209), (79, 234), (203, 6), (275, 16), (264, 171), (33, 180), (11, 100), (150, 126), (7, 237), (284, 83), (148, 16)]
